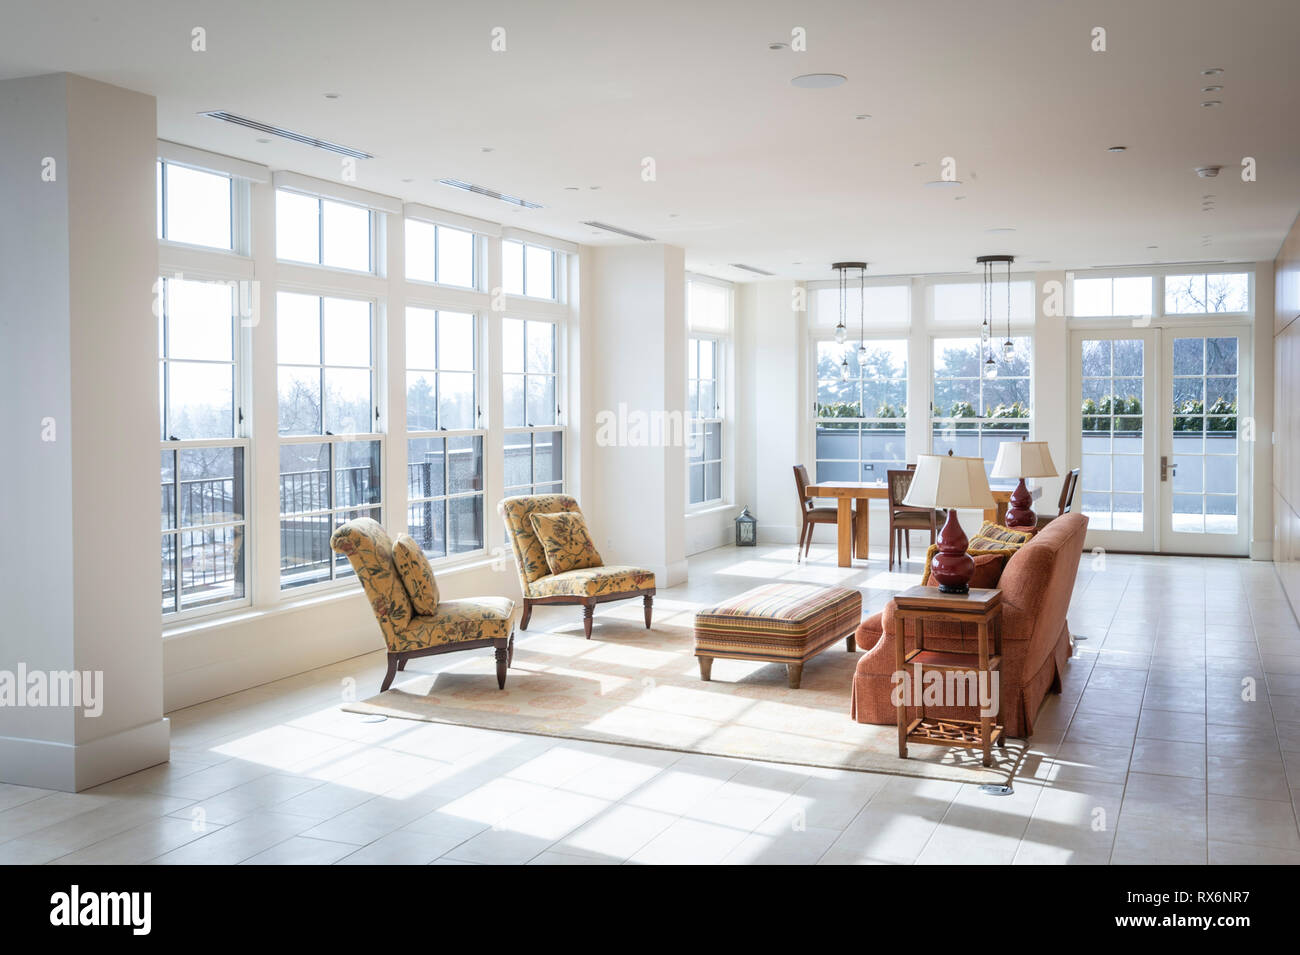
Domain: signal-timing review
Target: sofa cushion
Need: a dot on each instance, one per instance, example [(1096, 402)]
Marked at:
[(416, 574), (565, 541), (593, 582)]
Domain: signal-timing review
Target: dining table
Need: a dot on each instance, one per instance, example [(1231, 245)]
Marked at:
[(845, 493)]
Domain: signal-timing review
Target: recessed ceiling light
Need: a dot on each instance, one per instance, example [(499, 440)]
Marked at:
[(408, 180), (673, 215), (1116, 149), (918, 164), (818, 81), (1039, 261), (777, 45), (593, 187), (958, 198), (331, 95), (942, 183), (1000, 229), (1211, 89), (572, 188), (485, 149), (1213, 71), (863, 116), (262, 139), (1213, 102), (1153, 246)]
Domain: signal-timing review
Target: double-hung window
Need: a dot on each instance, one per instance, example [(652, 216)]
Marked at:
[(971, 414), (704, 452), (444, 469), (330, 448), (203, 481), (861, 415), (534, 432)]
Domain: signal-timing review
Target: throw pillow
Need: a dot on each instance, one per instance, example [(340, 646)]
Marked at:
[(416, 574), (989, 565), (565, 541), (999, 533)]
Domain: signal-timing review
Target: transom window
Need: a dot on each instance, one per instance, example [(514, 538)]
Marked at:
[(195, 206), (972, 414), (1129, 295), (202, 478), (528, 269), (441, 254), (321, 231), (445, 445), (861, 417), (1204, 294)]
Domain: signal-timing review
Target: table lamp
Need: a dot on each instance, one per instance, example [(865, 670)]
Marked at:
[(1023, 459), (951, 482)]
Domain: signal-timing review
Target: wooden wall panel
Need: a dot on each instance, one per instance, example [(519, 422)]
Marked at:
[(1286, 415)]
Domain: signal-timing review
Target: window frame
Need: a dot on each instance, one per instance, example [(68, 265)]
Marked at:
[(557, 269), (478, 258), (240, 213), (884, 335), (559, 427), (694, 419), (374, 225)]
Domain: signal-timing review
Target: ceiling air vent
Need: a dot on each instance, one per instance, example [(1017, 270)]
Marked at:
[(286, 134), (490, 193), (750, 268), (617, 231)]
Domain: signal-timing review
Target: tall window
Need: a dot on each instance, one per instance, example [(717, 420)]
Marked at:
[(534, 440), (704, 453), (202, 476), (444, 470), (441, 254), (195, 206), (1205, 294), (330, 449), (325, 232), (528, 269), (971, 414), (861, 418)]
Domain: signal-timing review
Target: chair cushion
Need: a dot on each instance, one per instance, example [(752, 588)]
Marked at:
[(530, 559), (989, 564), (416, 574), (458, 621), (565, 541), (593, 582)]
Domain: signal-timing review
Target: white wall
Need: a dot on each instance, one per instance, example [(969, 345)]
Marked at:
[(82, 575)]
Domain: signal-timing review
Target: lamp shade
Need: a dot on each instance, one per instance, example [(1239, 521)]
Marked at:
[(947, 481), (1023, 459)]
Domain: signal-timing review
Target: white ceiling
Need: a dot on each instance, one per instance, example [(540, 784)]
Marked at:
[(749, 168)]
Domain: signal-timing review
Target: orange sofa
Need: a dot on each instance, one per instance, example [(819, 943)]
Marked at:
[(1036, 587)]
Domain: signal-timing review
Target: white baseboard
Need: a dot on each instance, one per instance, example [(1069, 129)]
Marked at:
[(72, 767)]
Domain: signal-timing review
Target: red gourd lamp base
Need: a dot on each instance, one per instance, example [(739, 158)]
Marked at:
[(1020, 513), (952, 568)]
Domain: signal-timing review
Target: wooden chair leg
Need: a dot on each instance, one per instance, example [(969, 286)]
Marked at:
[(794, 671), (401, 664), (392, 672), (808, 546), (893, 538), (527, 614), (587, 610), (907, 536), (510, 650), (649, 608), (503, 661), (706, 668)]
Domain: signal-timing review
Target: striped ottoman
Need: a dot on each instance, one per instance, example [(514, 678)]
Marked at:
[(777, 623)]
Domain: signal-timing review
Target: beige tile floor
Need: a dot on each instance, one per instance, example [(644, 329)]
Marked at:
[(1150, 755)]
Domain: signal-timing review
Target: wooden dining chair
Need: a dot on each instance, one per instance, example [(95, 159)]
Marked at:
[(903, 518), (815, 515), (1065, 503)]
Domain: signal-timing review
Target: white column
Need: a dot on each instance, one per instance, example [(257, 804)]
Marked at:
[(82, 567)]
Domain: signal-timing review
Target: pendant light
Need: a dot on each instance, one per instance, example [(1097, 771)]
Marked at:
[(841, 330), (986, 327)]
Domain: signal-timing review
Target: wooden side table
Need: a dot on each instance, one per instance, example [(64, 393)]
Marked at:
[(923, 605)]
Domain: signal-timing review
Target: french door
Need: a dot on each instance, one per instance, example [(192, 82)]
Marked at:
[(1160, 434)]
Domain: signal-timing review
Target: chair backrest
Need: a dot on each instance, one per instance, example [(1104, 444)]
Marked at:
[(801, 485), (1066, 502), (370, 552), (899, 482), (530, 557)]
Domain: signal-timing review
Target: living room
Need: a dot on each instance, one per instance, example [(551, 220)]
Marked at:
[(573, 421)]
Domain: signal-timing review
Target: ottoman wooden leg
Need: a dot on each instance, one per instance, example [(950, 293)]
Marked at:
[(850, 642), (706, 668), (795, 672)]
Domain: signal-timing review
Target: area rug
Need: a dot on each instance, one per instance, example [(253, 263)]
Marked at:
[(639, 687)]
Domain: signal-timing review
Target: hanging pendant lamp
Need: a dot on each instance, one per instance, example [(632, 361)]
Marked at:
[(841, 330), (986, 328)]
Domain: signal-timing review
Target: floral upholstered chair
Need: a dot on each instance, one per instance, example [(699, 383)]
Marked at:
[(404, 597), (587, 585)]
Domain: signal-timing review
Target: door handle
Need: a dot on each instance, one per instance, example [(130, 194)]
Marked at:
[(1167, 470)]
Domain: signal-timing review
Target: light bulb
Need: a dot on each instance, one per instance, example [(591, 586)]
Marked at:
[(990, 368), (862, 354), (1008, 350), (839, 334), (844, 370)]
